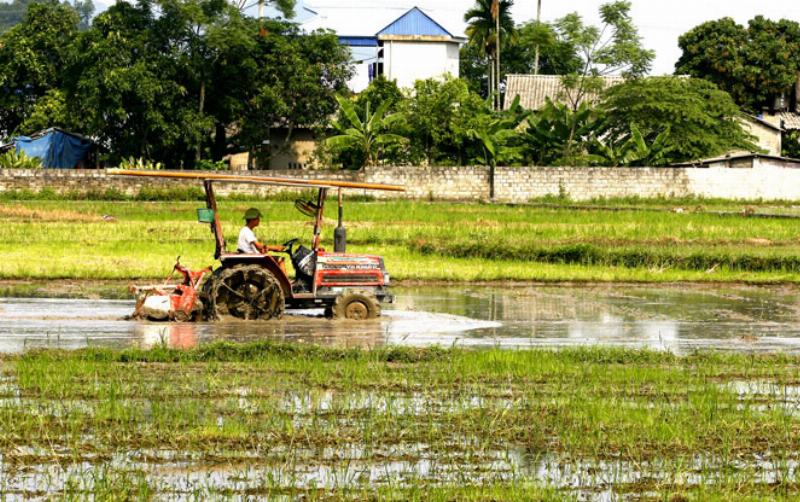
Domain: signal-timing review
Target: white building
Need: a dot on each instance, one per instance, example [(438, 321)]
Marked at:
[(406, 48)]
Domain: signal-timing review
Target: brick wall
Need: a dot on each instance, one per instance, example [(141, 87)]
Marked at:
[(764, 181)]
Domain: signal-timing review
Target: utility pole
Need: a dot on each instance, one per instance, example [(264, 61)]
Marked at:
[(260, 10), (538, 20)]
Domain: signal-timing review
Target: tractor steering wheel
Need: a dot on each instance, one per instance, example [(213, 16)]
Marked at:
[(289, 245)]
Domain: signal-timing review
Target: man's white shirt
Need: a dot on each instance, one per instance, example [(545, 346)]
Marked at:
[(247, 240)]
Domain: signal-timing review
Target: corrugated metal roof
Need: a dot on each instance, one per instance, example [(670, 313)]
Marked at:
[(369, 20), (414, 22), (358, 41), (533, 90)]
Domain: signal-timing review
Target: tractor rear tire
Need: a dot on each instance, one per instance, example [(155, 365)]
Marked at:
[(356, 306), (247, 292)]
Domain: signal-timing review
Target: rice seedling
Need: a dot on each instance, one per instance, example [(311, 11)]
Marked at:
[(271, 419), (420, 240)]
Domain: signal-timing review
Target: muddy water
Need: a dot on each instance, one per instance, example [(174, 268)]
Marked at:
[(677, 318)]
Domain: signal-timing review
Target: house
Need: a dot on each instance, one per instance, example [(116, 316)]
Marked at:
[(743, 161), (404, 48), (534, 90)]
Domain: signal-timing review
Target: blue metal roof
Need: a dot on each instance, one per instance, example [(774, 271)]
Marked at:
[(414, 22), (358, 41)]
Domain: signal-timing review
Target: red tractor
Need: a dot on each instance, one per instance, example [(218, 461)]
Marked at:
[(257, 286)]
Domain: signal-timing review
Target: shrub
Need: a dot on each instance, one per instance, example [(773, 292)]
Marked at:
[(13, 160)]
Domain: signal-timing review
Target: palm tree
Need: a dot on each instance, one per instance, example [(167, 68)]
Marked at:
[(483, 32), (367, 136)]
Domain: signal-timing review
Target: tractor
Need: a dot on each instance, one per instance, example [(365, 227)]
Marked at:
[(257, 286)]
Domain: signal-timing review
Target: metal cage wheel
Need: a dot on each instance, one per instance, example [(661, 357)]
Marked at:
[(247, 292)]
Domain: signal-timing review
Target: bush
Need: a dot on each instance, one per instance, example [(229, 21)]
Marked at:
[(13, 160)]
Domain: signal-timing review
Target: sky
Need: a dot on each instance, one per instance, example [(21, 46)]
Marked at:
[(660, 23)]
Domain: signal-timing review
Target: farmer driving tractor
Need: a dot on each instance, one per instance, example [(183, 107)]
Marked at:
[(248, 242)]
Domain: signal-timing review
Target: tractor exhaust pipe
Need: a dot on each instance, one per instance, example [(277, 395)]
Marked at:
[(340, 233)]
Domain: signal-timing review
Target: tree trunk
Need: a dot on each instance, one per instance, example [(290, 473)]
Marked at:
[(538, 20), (220, 141), (198, 148), (497, 50)]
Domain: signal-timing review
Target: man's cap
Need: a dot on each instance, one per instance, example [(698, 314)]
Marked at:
[(252, 214)]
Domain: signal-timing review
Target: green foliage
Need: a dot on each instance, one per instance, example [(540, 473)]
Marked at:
[(367, 136), (498, 136), (210, 165), (482, 26), (756, 64), (791, 144), (441, 120), (702, 120), (13, 160), (33, 59), (631, 150), (560, 135), (611, 49), (556, 56), (166, 80), (140, 163)]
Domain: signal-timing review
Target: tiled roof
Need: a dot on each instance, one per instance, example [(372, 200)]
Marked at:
[(790, 120), (533, 90)]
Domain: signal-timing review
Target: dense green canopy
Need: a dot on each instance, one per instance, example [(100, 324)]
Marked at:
[(170, 80)]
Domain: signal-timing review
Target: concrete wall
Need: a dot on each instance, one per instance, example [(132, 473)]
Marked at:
[(766, 180)]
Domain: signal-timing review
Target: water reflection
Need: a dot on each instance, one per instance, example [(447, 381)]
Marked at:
[(675, 318)]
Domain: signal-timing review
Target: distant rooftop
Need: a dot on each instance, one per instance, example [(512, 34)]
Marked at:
[(533, 90), (374, 22)]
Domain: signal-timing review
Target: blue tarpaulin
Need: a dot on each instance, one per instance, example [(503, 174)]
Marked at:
[(56, 148)]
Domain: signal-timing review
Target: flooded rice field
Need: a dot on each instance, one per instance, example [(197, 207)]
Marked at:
[(313, 419), (676, 318)]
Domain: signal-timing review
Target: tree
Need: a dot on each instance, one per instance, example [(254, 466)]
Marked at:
[(85, 10), (557, 57), (497, 135), (755, 65), (170, 81), (33, 56), (439, 117), (367, 136), (614, 48), (294, 79), (703, 121), (482, 32)]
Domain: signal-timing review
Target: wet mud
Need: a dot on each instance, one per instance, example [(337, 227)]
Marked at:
[(677, 318)]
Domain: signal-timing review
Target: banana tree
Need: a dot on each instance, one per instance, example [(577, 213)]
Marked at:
[(559, 135), (497, 134), (370, 135), (631, 150)]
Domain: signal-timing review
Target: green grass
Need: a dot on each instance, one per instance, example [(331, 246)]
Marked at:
[(262, 411), (636, 241)]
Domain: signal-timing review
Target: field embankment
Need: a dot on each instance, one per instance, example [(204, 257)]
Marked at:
[(636, 240)]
